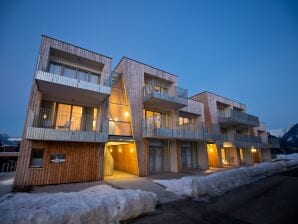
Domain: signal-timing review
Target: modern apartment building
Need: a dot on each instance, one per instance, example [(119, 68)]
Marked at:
[(84, 121), (244, 138)]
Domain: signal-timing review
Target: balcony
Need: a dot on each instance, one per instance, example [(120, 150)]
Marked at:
[(233, 117), (65, 88), (183, 132), (51, 125), (242, 141), (172, 98)]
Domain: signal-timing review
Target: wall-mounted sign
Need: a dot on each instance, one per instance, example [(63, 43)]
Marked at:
[(57, 158)]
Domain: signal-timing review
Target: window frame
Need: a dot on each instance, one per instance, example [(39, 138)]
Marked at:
[(31, 158)]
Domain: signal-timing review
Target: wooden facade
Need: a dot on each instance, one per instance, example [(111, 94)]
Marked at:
[(122, 103), (69, 171), (232, 141)]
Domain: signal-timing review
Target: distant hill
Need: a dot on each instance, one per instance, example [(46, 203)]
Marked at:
[(4, 140), (289, 141)]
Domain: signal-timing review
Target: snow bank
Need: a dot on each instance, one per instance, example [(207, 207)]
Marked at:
[(217, 184), (99, 204)]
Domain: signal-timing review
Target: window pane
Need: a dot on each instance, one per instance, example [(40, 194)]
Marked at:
[(69, 72), (76, 116), (36, 158), (83, 76), (94, 78), (55, 69), (185, 120), (157, 88), (180, 120), (149, 118), (63, 117), (157, 118), (94, 119)]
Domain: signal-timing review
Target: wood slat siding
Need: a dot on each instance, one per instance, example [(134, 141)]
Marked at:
[(194, 107), (91, 153), (133, 78), (82, 164), (47, 134), (209, 100), (48, 43)]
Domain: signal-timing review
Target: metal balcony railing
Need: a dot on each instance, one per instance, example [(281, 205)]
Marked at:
[(174, 91), (232, 115), (77, 121), (72, 72), (187, 131), (242, 140)]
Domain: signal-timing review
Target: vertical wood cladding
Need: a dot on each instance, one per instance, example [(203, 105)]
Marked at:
[(126, 159), (82, 164), (77, 152), (133, 79)]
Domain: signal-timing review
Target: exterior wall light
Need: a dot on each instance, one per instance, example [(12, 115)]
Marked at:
[(120, 150)]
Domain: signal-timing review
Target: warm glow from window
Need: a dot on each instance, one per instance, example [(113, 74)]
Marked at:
[(131, 149), (253, 150), (126, 114)]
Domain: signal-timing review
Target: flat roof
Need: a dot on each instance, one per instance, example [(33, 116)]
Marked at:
[(75, 46), (143, 64), (206, 91)]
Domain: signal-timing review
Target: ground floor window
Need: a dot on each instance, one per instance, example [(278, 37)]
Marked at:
[(36, 158)]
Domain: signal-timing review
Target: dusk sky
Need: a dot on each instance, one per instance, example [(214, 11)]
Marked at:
[(244, 50)]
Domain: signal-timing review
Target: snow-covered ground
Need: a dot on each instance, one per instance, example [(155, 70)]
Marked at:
[(98, 204), (218, 183)]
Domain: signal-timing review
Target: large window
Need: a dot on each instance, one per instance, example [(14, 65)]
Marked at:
[(156, 119), (67, 117), (36, 158), (185, 120), (74, 73)]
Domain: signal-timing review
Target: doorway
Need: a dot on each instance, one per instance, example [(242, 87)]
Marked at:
[(255, 155), (189, 156), (120, 160), (158, 156), (212, 155)]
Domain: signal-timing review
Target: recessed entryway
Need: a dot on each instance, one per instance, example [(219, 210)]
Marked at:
[(120, 160)]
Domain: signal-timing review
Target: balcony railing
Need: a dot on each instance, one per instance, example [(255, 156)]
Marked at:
[(79, 122), (235, 117), (186, 131), (53, 126), (173, 96), (239, 140), (175, 91)]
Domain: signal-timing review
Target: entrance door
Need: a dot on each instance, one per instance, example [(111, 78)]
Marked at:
[(189, 155), (158, 157), (212, 155), (256, 156)]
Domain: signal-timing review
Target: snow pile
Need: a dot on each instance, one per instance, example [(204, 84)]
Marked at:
[(217, 184), (290, 159), (99, 204)]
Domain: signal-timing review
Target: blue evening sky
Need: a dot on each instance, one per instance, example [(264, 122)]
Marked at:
[(244, 50)]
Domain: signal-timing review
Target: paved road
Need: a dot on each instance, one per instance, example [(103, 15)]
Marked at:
[(272, 200)]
